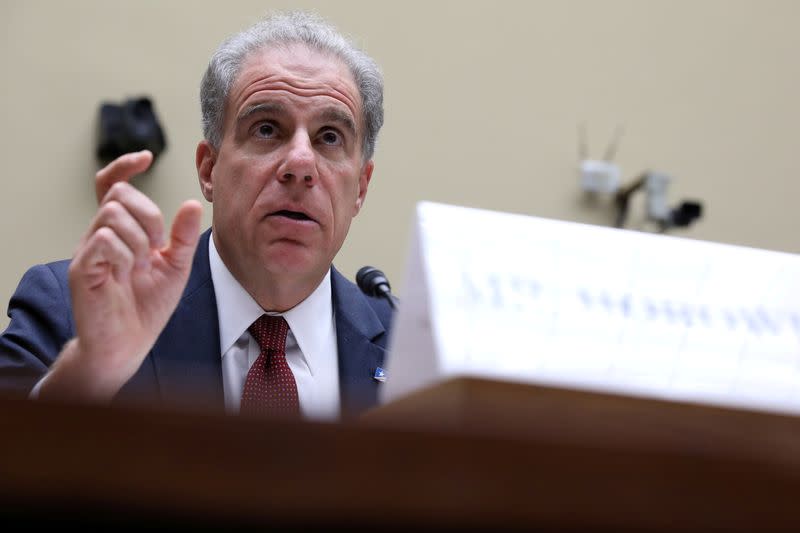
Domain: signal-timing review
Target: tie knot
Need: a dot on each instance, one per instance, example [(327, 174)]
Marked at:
[(270, 333)]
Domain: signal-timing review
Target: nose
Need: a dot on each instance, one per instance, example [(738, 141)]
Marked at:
[(300, 162)]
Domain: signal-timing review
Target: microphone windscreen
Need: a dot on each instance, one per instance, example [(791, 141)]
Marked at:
[(370, 279)]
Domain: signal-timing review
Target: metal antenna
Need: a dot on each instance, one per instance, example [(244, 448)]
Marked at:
[(614, 144), (583, 143)]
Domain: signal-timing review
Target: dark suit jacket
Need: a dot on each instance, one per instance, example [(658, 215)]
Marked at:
[(184, 368)]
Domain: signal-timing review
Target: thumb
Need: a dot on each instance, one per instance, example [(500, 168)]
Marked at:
[(184, 235)]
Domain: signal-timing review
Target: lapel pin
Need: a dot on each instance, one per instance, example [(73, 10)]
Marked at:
[(380, 375)]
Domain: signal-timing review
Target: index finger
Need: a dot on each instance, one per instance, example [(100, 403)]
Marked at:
[(122, 168)]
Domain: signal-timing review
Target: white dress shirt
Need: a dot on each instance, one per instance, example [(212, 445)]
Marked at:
[(311, 349)]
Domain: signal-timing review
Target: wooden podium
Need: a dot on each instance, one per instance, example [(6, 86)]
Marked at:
[(465, 454)]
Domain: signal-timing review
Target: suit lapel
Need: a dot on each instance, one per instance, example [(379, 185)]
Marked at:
[(186, 357), (361, 340), (185, 366)]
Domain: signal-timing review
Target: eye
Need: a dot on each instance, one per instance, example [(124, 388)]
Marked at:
[(331, 137), (265, 130)]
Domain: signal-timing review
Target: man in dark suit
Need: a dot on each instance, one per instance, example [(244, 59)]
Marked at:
[(291, 112)]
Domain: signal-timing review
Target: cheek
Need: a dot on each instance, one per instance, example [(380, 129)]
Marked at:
[(239, 183), (345, 203), (350, 192)]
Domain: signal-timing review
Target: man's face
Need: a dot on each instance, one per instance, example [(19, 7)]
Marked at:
[(288, 176)]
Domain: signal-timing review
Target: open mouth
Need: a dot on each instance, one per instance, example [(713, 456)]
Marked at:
[(294, 215)]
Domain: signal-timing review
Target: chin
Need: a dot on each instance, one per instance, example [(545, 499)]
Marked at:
[(288, 259)]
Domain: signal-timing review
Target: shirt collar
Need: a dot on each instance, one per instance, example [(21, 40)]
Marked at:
[(309, 321)]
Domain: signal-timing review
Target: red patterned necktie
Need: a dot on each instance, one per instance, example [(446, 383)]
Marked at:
[(270, 387)]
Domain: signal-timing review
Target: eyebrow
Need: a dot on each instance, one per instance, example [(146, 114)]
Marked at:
[(333, 114), (266, 108), (330, 114)]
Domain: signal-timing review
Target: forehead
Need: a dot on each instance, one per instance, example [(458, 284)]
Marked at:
[(297, 72)]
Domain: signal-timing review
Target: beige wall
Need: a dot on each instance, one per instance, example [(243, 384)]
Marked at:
[(482, 104)]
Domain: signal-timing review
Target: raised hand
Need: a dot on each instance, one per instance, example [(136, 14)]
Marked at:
[(126, 279)]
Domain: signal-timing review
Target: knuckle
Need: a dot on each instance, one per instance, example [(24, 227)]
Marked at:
[(112, 209), (118, 189), (104, 235)]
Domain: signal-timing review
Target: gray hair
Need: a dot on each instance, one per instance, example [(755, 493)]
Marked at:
[(281, 30)]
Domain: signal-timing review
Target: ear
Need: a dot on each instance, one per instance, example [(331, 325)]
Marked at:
[(205, 158), (363, 184)]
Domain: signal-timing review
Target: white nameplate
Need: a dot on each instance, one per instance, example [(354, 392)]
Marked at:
[(521, 298)]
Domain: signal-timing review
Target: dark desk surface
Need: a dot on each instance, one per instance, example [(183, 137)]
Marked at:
[(462, 455)]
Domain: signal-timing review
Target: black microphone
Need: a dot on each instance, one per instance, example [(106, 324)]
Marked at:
[(373, 282)]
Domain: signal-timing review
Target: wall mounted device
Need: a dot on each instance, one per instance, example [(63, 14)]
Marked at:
[(129, 126), (598, 175), (655, 185), (602, 177)]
